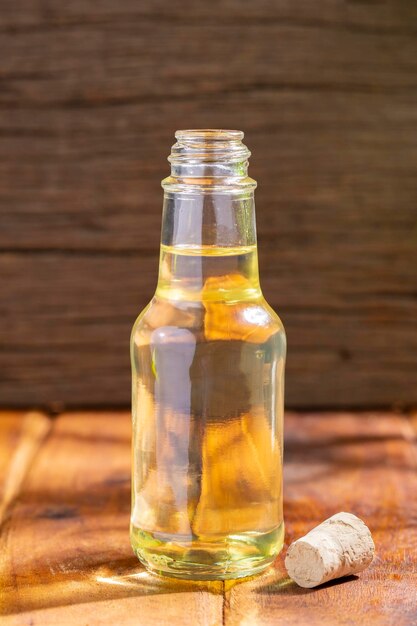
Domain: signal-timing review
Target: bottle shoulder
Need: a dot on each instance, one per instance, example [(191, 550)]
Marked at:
[(251, 320), (274, 315)]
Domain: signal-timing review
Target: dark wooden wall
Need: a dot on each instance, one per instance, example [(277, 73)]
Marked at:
[(90, 96)]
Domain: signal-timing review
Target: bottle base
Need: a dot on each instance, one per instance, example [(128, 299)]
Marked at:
[(191, 572), (235, 556)]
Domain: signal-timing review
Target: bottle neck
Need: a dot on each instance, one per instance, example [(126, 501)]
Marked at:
[(195, 219), (208, 239)]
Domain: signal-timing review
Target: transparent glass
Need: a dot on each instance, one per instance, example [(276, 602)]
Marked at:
[(208, 356)]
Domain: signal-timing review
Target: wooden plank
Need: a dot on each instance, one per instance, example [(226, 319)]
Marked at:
[(87, 183), (348, 336), (326, 94), (364, 16), (363, 463), (318, 54), (22, 435), (413, 423), (11, 427), (67, 557)]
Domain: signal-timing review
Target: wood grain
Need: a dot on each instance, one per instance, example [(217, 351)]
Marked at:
[(91, 96), (66, 552), (413, 418), (22, 436), (365, 464), (67, 558), (359, 348)]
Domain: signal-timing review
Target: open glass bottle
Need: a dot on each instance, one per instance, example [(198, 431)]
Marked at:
[(208, 356)]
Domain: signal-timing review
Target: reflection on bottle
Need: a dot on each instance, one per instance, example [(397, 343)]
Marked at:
[(172, 355)]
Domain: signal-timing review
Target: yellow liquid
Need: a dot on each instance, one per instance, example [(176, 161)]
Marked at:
[(208, 358)]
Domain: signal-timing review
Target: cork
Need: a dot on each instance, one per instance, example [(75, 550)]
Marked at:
[(342, 545)]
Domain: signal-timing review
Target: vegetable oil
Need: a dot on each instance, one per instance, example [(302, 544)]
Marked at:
[(208, 356)]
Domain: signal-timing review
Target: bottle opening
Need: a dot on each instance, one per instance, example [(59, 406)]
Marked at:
[(209, 146), (209, 159), (208, 135)]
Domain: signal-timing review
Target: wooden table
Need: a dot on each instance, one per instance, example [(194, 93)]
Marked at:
[(65, 555)]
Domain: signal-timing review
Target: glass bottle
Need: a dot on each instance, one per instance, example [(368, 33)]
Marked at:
[(208, 356)]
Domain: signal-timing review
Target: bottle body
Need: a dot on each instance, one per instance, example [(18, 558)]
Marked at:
[(208, 357)]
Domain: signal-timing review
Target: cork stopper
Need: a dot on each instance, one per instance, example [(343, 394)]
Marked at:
[(341, 546)]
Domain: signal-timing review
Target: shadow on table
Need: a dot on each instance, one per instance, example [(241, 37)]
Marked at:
[(115, 580), (127, 578), (288, 587)]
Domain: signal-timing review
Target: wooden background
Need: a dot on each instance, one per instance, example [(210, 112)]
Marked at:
[(90, 96)]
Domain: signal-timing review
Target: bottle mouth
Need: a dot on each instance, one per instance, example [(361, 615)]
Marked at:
[(209, 161), (209, 134), (209, 145)]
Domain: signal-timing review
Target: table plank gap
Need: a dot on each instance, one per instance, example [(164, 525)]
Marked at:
[(23, 435)]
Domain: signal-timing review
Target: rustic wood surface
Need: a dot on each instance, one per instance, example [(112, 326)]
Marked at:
[(91, 95), (64, 549)]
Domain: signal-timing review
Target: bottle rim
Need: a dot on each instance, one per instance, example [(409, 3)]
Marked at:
[(209, 134), (209, 145)]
